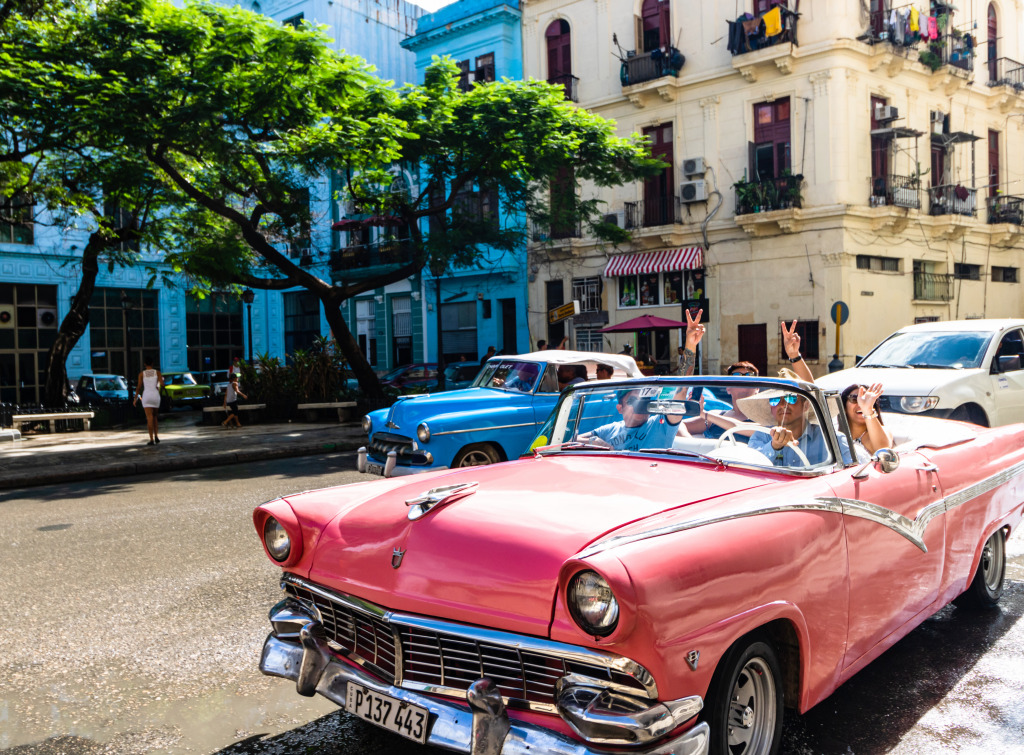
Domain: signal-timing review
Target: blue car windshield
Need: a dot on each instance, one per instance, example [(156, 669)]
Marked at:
[(509, 375), (948, 350)]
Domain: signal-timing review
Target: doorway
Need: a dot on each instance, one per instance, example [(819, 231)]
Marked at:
[(752, 346), (509, 341)]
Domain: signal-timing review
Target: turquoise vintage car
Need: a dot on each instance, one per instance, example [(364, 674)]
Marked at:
[(495, 419)]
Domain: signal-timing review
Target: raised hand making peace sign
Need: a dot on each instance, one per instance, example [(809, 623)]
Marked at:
[(791, 343)]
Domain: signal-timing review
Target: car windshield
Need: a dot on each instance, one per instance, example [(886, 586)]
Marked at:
[(944, 350), (116, 383), (723, 420), (182, 379), (460, 371), (509, 375)]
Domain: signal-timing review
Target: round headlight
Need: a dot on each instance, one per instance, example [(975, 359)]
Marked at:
[(279, 545), (423, 432), (367, 424), (592, 604), (916, 404)]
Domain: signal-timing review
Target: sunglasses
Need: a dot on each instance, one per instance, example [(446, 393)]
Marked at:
[(742, 373), (789, 398), (852, 398)]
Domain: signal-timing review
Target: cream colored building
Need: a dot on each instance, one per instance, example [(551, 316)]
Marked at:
[(908, 206)]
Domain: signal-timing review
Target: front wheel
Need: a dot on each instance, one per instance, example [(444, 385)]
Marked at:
[(987, 586), (746, 701), (476, 456)]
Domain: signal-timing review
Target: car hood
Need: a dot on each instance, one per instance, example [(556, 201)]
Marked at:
[(896, 381), (493, 556), (408, 413)]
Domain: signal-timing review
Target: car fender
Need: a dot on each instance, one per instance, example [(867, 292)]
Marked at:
[(505, 428), (966, 389)]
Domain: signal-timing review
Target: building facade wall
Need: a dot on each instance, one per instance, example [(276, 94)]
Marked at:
[(769, 266)]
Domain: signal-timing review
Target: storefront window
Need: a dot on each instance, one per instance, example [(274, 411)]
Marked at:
[(660, 289)]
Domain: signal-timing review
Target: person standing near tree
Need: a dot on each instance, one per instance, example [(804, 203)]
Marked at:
[(231, 394), (148, 388)]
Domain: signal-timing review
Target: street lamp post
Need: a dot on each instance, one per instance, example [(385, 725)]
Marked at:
[(126, 306), (248, 297)]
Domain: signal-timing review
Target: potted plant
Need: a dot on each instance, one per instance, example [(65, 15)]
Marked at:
[(744, 196)]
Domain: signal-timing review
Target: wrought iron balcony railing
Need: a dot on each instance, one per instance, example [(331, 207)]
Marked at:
[(952, 199), (362, 256), (1006, 72), (556, 232), (653, 212), (647, 66), (896, 191), (933, 286), (768, 194), (569, 83), (1005, 209)]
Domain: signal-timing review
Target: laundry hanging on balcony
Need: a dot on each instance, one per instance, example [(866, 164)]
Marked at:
[(668, 260)]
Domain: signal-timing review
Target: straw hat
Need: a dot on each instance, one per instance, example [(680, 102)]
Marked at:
[(757, 409)]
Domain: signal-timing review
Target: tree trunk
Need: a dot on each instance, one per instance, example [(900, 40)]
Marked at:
[(343, 337), (72, 326)]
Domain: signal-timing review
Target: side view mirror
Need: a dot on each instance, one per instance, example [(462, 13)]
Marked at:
[(1007, 363), (885, 460)]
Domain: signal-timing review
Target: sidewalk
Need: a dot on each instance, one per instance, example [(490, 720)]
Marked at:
[(45, 459)]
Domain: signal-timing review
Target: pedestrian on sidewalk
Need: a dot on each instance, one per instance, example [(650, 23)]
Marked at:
[(150, 383), (231, 395)]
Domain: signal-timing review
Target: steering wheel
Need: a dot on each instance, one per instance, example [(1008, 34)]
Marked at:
[(730, 434)]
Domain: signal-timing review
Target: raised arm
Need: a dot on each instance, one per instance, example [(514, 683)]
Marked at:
[(791, 342), (878, 435), (694, 332)]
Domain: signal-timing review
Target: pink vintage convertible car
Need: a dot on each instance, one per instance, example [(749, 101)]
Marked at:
[(633, 586)]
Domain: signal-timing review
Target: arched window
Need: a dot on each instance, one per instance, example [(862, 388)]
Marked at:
[(655, 27), (993, 48), (559, 40), (256, 7)]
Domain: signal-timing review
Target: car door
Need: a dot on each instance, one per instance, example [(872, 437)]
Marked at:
[(1008, 386), (895, 533)]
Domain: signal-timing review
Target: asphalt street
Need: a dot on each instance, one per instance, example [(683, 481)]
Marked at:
[(134, 610)]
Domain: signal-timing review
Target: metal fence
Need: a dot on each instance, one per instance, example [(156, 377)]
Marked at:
[(653, 212), (933, 286)]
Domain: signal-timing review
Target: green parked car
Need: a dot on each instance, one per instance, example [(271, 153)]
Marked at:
[(182, 388)]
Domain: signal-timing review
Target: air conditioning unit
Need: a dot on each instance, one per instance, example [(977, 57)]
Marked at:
[(615, 218), (46, 317), (693, 191), (886, 113), (693, 166)]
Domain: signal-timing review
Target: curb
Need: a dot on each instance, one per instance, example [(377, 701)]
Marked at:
[(51, 476)]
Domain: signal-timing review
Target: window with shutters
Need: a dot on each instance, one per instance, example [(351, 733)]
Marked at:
[(458, 326), (484, 70), (654, 26), (366, 329)]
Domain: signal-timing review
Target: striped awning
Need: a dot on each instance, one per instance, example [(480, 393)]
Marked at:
[(686, 258)]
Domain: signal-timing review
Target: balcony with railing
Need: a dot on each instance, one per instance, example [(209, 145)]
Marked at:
[(569, 83), (952, 199), (933, 286), (768, 194), (1006, 209), (896, 191), (1006, 72), (556, 232), (653, 212), (647, 66), (751, 35), (360, 258)]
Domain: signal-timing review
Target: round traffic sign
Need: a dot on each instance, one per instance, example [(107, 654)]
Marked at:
[(840, 313)]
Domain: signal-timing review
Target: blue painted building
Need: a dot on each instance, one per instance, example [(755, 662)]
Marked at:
[(40, 263), (485, 305)]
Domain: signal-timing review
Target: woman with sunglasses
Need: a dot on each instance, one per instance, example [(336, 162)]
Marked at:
[(866, 427)]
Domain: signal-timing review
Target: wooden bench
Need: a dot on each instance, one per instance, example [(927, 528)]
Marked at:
[(309, 411), (17, 420), (219, 409)]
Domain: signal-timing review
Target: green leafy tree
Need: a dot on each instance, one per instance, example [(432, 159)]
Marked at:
[(240, 115)]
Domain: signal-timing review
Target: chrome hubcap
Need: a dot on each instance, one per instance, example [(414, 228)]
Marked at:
[(992, 562), (475, 459), (752, 710)]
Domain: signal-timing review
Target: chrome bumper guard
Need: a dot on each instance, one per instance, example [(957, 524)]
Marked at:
[(485, 728), (391, 466)]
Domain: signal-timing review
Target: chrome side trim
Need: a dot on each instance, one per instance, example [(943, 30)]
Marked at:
[(540, 646), (452, 722), (486, 429), (912, 530), (702, 521)]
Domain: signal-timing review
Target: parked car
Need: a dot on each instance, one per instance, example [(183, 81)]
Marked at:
[(95, 388), (493, 420), (411, 376), (216, 379), (669, 599), (969, 370), (460, 375), (182, 388)]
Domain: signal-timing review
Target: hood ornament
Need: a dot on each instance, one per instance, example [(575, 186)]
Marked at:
[(391, 425), (396, 557), (420, 505)]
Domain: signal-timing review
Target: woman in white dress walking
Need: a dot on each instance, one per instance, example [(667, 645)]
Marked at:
[(150, 384)]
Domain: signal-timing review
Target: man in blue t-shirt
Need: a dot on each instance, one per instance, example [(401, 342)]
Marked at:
[(638, 430)]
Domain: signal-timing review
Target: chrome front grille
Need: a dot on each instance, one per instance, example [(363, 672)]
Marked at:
[(382, 443), (448, 662), (365, 639)]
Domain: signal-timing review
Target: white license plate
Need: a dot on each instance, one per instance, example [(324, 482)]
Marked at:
[(376, 469), (388, 712)]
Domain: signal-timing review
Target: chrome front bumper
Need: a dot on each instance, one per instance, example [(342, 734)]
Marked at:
[(391, 466), (484, 728)]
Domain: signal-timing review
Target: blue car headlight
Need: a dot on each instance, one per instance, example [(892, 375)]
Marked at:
[(423, 432)]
